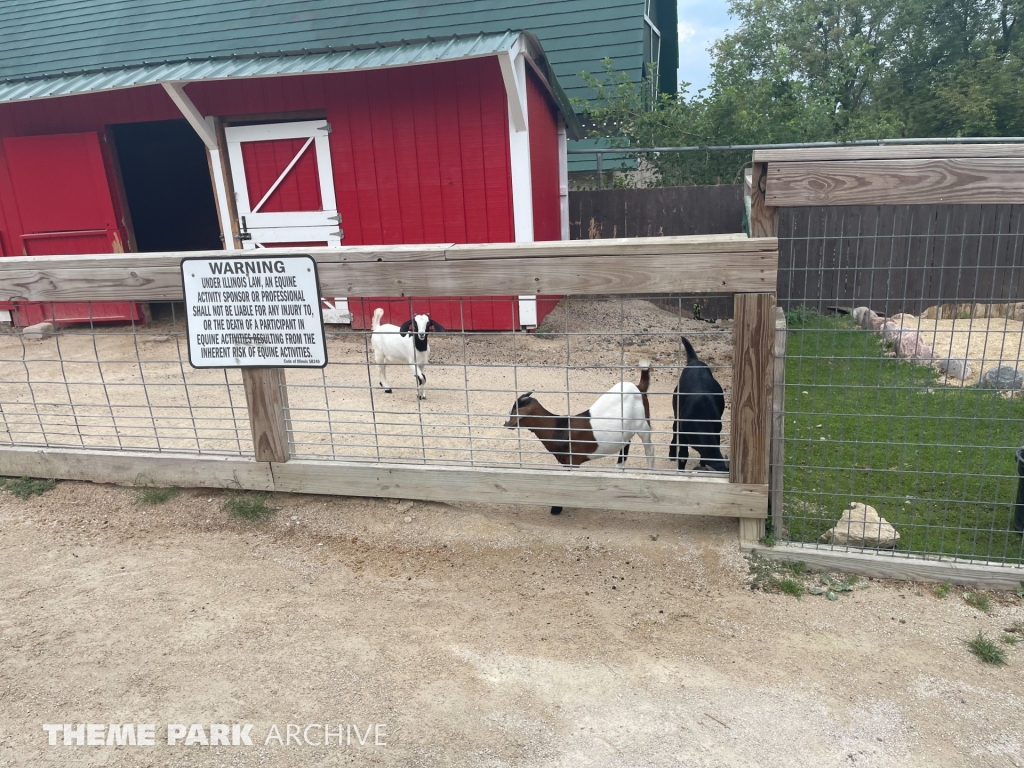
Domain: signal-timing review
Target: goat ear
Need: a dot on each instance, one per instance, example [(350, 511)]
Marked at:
[(433, 325), (528, 394), (404, 330)]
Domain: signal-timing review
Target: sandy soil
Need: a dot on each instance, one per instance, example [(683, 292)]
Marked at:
[(86, 389), (985, 342), (478, 636)]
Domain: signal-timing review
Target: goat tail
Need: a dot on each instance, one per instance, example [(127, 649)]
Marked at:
[(378, 313), (645, 375), (691, 354)]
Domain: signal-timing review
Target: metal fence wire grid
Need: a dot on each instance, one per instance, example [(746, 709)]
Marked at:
[(132, 388), (903, 379)]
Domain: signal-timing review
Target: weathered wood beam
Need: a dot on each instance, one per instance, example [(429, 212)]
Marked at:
[(896, 182), (586, 489), (650, 265), (764, 219), (136, 468), (889, 152), (266, 395), (752, 375), (778, 435), (896, 565), (575, 275)]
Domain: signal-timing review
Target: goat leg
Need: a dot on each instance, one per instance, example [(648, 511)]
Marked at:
[(648, 446), (421, 381), (623, 455), (382, 371)]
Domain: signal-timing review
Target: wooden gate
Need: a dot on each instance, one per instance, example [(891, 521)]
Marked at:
[(284, 190)]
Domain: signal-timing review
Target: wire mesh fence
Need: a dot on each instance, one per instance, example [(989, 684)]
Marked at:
[(131, 387), (903, 378)]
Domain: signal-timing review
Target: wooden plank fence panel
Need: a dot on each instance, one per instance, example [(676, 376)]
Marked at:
[(895, 182), (900, 258), (655, 212)]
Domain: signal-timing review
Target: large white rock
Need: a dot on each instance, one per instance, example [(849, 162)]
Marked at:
[(38, 331), (865, 318), (860, 526)]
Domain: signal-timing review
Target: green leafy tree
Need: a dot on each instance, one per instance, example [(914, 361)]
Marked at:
[(828, 70)]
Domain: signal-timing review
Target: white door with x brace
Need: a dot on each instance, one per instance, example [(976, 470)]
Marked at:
[(284, 190)]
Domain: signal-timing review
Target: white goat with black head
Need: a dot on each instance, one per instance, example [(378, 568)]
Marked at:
[(408, 345)]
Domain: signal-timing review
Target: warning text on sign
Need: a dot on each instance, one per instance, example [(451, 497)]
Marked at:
[(253, 312)]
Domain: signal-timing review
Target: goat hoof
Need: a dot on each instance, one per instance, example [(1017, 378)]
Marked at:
[(556, 510), (387, 391)]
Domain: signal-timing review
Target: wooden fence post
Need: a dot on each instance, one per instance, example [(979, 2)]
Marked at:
[(266, 394), (764, 220), (753, 352), (778, 423)]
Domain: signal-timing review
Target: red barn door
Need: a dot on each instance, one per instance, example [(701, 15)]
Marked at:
[(65, 205)]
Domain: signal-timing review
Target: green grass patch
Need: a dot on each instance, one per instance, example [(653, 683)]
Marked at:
[(156, 495), (26, 487), (796, 567), (987, 650), (248, 506), (978, 600), (791, 587), (941, 590), (1010, 639), (935, 461)]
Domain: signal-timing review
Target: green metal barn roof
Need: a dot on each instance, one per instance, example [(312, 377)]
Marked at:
[(399, 55), (73, 37)]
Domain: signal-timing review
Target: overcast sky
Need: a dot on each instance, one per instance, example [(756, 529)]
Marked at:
[(701, 22)]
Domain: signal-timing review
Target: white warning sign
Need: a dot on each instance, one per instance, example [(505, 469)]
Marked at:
[(253, 312)]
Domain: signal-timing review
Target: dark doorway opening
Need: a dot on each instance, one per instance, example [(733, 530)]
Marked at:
[(167, 186)]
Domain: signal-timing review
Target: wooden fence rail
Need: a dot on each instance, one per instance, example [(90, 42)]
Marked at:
[(714, 264)]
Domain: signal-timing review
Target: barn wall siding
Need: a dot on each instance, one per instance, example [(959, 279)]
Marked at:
[(547, 222), (419, 154)]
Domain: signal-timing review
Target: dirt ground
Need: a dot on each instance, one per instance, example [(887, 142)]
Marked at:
[(116, 389), (985, 342), (477, 636)]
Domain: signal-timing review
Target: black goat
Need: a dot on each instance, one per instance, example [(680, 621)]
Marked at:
[(698, 404)]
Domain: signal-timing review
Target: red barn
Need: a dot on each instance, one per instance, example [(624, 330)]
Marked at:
[(460, 140)]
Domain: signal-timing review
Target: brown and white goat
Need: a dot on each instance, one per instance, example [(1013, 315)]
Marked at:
[(604, 429)]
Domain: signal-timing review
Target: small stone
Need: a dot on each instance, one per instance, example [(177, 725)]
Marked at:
[(956, 367), (38, 332), (860, 526), (408, 519), (909, 346), (1003, 377)]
